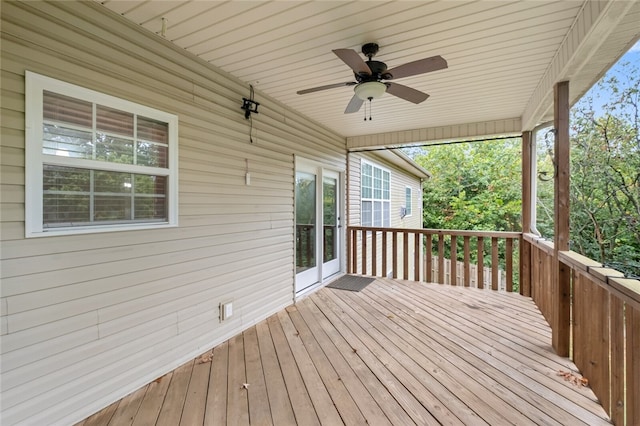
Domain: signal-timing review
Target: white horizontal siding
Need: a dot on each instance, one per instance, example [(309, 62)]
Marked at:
[(89, 318)]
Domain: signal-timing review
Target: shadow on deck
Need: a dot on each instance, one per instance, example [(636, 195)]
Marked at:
[(398, 352)]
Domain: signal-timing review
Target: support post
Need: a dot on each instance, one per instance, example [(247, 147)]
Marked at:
[(562, 274), (527, 203)]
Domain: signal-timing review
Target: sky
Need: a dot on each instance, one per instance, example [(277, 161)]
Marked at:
[(601, 97)]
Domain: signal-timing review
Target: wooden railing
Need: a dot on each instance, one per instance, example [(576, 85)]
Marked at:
[(604, 322), (421, 255)]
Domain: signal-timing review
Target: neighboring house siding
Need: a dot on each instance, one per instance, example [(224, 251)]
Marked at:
[(86, 319), (400, 179)]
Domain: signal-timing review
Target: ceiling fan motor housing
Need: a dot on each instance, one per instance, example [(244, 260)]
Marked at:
[(378, 72), (370, 49)]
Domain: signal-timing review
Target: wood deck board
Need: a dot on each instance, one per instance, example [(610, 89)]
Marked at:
[(398, 352), (527, 373), (152, 402)]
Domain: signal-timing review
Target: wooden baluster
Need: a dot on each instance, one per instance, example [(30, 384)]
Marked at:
[(525, 267), (467, 262), (405, 255), (441, 258), (429, 258), (509, 267), (633, 364), (374, 253), (349, 250), (395, 254), (417, 238), (384, 253), (617, 316), (480, 262), (365, 236), (495, 266), (454, 261), (354, 251)]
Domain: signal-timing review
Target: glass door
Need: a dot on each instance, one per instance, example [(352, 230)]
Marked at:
[(318, 233), (331, 224), (306, 229)]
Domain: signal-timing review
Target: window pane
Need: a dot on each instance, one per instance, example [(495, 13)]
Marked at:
[(385, 186), (114, 121), (377, 213), (112, 182), (65, 209), (408, 201), (111, 208), (149, 154), (114, 150), (66, 196), (367, 170), (305, 221), (66, 142), (150, 208), (152, 130), (66, 179), (386, 214), (147, 184), (65, 109), (366, 213)]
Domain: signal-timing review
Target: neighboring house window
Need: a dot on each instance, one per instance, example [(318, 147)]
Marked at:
[(408, 201), (96, 162), (375, 196)]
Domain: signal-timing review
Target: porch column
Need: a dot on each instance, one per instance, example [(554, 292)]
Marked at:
[(527, 203), (561, 284)]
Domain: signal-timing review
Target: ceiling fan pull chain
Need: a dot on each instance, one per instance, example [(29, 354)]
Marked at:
[(370, 99)]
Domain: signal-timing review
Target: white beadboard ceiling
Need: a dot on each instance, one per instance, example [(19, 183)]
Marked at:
[(498, 53)]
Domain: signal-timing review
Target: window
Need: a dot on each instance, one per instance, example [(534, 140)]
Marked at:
[(95, 162), (375, 196), (408, 201)]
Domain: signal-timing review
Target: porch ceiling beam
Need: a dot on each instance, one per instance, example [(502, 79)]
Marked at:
[(468, 131), (580, 47)]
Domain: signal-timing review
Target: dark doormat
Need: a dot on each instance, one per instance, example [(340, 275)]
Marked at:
[(351, 282)]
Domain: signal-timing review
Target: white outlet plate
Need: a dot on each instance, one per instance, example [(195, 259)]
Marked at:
[(226, 310)]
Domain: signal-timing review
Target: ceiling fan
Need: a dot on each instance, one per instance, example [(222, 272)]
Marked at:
[(370, 75)]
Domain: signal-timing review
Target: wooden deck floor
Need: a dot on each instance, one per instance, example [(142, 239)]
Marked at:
[(396, 353)]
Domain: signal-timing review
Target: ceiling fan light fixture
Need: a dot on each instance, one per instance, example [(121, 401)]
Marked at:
[(370, 90)]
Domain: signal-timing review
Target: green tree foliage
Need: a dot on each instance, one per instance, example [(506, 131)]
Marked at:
[(605, 175), (475, 186)]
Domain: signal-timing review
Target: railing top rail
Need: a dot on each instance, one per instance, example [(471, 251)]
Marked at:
[(610, 279), (540, 242), (456, 232)]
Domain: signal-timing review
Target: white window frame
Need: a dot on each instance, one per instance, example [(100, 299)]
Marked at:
[(408, 208), (35, 85), (373, 199)]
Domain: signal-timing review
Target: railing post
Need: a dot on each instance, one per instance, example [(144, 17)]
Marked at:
[(562, 283)]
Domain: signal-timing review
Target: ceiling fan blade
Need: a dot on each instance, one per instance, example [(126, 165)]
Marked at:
[(354, 105), (328, 86), (420, 66), (353, 60), (406, 93)]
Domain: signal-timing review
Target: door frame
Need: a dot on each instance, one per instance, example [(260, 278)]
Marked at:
[(304, 164)]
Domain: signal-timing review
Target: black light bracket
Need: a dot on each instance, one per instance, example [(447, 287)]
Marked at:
[(249, 105)]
